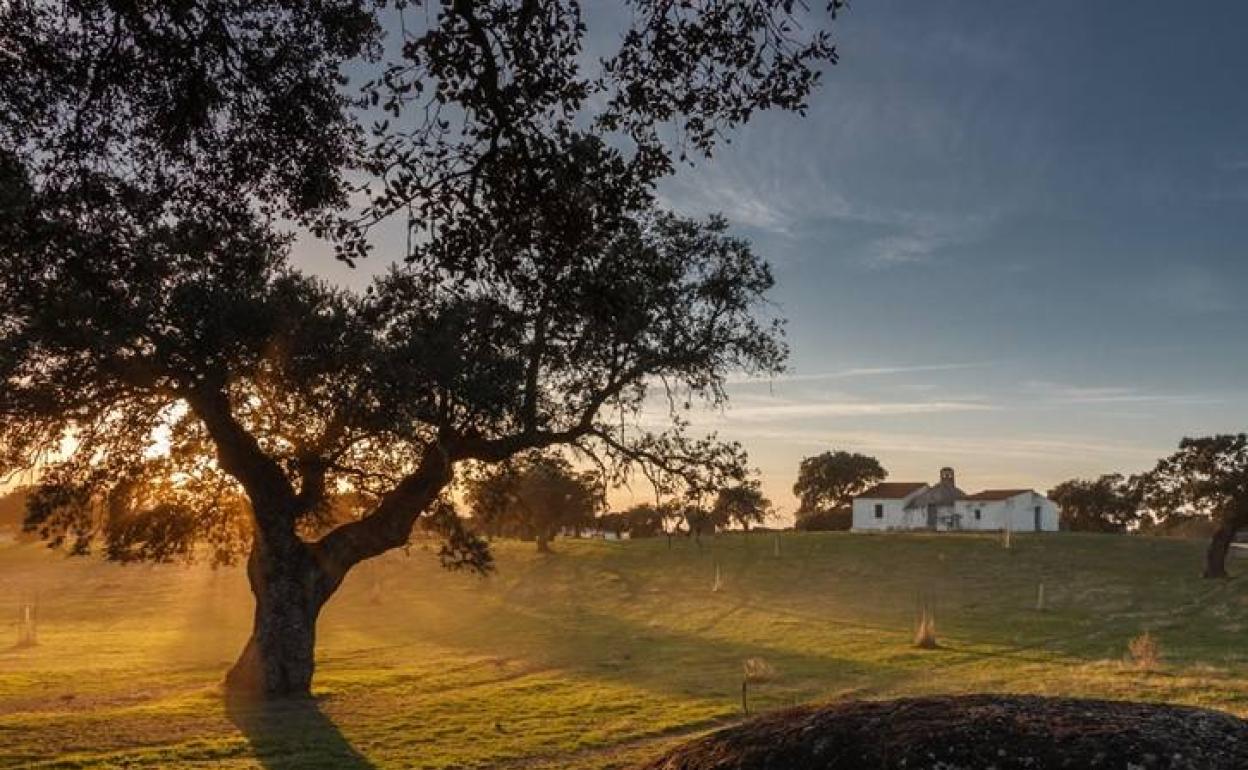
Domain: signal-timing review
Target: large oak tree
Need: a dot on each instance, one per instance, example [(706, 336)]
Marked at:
[(175, 380), (830, 480), (1206, 477), (1109, 503)]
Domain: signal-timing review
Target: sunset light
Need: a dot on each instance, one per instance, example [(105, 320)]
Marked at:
[(562, 385)]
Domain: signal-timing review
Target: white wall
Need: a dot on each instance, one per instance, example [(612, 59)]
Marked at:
[(1015, 513), (990, 515), (895, 514)]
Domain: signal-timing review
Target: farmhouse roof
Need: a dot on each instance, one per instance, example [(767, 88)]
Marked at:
[(941, 495), (893, 490), (998, 494)]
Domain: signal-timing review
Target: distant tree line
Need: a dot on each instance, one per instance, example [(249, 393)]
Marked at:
[(533, 496), (13, 513), (1200, 490), (537, 495), (1110, 503)]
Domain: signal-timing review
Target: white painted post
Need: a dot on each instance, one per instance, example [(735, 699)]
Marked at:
[(26, 630)]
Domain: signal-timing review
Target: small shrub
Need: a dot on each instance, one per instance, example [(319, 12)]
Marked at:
[(1144, 651), (925, 632), (754, 671)]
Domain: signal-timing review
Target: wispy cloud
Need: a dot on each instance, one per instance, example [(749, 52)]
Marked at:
[(865, 371), (807, 410), (1075, 394), (763, 191), (901, 249), (953, 446), (918, 236), (877, 371), (745, 200), (753, 407)]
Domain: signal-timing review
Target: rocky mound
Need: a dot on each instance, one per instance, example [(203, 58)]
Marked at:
[(973, 732)]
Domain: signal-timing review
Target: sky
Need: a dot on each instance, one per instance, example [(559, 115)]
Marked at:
[(1011, 238)]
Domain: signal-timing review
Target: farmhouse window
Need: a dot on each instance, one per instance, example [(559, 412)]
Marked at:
[(879, 510)]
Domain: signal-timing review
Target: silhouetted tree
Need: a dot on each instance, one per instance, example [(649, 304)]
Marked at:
[(1110, 503), (13, 511), (700, 521), (829, 520), (125, 118), (147, 152), (615, 522), (1205, 477), (533, 496), (742, 504), (830, 480), (646, 520)]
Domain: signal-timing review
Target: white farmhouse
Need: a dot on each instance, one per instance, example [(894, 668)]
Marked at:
[(943, 507)]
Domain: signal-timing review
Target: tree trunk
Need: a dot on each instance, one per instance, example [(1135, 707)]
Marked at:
[(543, 542), (1219, 547), (290, 588)]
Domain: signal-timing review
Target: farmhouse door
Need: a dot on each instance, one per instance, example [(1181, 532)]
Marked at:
[(931, 517), (1037, 512)]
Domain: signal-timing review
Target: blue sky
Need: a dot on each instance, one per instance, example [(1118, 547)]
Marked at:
[(1008, 237)]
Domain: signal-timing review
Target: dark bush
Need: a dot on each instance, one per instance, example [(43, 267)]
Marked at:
[(835, 520)]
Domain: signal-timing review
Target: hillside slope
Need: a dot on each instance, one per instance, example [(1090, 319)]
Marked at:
[(601, 653)]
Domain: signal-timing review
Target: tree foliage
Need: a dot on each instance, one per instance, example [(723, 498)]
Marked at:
[(13, 512), (646, 520), (830, 480), (1207, 477), (827, 520), (614, 522), (533, 496), (171, 373), (699, 521), (1110, 503), (743, 504), (116, 109), (504, 107)]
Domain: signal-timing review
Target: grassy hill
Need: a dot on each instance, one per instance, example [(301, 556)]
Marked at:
[(601, 653)]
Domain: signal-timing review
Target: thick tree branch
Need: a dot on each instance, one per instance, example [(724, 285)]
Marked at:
[(532, 385), (390, 523), (240, 455)]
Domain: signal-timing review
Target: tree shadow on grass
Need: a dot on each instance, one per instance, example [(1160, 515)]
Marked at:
[(292, 734)]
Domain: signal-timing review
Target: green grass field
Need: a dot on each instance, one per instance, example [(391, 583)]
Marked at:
[(599, 654)]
